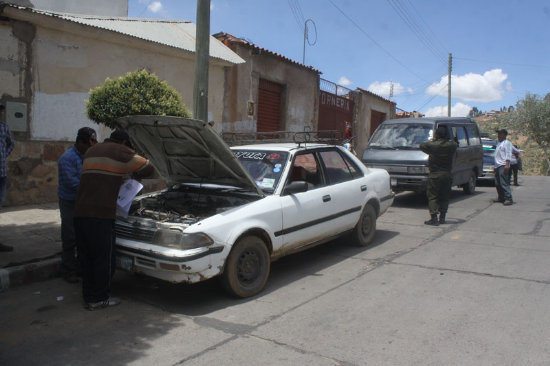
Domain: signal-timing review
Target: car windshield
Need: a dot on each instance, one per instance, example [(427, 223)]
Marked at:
[(265, 167), (401, 136)]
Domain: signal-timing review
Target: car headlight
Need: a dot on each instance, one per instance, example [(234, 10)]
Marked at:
[(418, 170), (179, 240)]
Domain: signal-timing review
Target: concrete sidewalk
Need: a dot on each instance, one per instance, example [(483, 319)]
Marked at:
[(35, 234)]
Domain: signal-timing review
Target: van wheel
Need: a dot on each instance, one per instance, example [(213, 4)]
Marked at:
[(363, 233), (470, 186), (247, 267)]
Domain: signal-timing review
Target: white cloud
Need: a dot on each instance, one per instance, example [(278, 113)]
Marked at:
[(488, 87), (344, 81), (384, 87), (155, 7), (458, 110)]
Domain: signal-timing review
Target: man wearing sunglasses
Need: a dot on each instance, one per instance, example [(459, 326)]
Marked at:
[(69, 167)]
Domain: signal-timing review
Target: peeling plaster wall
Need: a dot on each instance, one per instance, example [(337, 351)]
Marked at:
[(52, 70), (300, 95), (95, 7)]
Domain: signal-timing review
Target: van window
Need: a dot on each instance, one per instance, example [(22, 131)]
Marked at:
[(402, 135), (460, 136), (473, 135)]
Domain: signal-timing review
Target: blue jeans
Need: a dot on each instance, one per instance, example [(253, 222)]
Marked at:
[(2, 189), (502, 184)]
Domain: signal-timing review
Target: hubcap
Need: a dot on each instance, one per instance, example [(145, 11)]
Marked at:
[(366, 225), (248, 267)]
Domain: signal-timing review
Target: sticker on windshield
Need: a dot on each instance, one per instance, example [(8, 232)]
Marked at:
[(274, 156), (267, 183), (249, 155), (276, 170)]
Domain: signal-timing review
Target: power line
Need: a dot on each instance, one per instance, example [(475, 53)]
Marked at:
[(374, 41), (500, 62)]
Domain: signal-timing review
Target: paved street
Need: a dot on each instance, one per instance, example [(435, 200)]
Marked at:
[(475, 291)]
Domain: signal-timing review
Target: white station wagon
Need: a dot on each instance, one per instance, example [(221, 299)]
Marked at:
[(231, 212)]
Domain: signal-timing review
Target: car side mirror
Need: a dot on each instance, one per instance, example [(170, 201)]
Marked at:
[(296, 187)]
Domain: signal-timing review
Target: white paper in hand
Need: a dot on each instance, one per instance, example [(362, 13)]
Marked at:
[(126, 194)]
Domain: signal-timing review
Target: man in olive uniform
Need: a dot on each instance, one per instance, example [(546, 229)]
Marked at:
[(441, 152)]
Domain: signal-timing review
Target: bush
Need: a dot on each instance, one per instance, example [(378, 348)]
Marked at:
[(136, 93)]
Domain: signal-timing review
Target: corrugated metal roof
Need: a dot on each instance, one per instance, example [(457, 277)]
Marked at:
[(173, 33), (231, 38)]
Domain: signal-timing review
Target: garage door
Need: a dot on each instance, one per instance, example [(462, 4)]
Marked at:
[(269, 106)]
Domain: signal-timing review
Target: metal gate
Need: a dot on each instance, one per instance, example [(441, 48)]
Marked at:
[(335, 106), (269, 106)]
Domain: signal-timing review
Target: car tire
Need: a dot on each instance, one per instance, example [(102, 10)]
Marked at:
[(363, 233), (470, 186), (247, 267)]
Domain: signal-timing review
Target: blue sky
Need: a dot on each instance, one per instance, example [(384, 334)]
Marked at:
[(501, 49)]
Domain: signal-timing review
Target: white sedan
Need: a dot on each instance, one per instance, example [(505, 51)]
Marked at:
[(231, 212)]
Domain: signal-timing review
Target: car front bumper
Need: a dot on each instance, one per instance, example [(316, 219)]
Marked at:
[(168, 264)]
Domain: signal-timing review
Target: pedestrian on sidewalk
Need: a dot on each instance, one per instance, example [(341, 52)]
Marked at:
[(441, 152), (503, 156), (69, 167), (105, 167), (6, 146)]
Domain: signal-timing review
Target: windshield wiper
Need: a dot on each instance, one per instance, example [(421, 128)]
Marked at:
[(406, 147)]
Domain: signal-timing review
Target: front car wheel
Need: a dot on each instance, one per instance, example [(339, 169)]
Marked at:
[(247, 267)]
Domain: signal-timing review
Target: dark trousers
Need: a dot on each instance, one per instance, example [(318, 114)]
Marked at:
[(69, 261), (502, 184), (438, 191), (513, 172), (95, 239), (3, 181)]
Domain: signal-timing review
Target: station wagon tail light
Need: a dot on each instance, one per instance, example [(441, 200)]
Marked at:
[(179, 240), (418, 170)]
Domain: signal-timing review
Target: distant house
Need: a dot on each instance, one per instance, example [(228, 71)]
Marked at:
[(48, 63), (269, 92)]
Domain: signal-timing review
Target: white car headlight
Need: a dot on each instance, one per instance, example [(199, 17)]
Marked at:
[(418, 170), (179, 240)]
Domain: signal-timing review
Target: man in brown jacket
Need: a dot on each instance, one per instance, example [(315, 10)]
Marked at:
[(104, 169)]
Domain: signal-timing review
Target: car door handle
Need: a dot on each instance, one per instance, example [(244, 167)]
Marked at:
[(363, 188), (326, 198)]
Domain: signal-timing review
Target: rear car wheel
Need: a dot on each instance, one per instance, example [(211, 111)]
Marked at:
[(364, 231), (247, 267), (470, 186)]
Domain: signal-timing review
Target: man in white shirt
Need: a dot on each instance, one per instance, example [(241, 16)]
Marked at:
[(503, 155)]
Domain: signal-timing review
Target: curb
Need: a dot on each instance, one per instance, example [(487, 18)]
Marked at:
[(32, 272)]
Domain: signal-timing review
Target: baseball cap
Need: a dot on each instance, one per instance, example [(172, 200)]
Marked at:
[(502, 130)]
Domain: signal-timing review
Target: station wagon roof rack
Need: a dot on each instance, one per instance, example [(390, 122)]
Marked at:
[(330, 137)]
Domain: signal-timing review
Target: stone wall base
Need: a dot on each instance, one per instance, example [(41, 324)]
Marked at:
[(32, 173)]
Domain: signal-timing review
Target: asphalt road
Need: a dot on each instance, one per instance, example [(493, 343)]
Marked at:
[(475, 291)]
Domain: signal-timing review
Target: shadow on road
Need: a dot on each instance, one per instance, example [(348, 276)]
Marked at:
[(208, 296)]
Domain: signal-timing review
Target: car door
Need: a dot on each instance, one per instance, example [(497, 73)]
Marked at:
[(461, 170), (307, 216), (347, 188)]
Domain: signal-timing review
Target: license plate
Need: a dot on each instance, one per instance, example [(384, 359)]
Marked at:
[(124, 262), (393, 181)]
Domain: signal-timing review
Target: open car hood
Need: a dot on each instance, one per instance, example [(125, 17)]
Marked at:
[(186, 151)]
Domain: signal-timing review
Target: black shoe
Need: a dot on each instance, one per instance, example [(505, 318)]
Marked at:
[(5, 248), (508, 203), (442, 218), (112, 301), (433, 221), (498, 200)]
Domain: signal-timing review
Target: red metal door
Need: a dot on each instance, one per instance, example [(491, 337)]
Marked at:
[(269, 106)]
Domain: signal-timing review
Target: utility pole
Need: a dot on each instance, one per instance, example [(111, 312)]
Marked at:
[(202, 59), (449, 85), (391, 89)]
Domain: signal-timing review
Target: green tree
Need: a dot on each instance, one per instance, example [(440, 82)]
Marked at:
[(532, 116), (136, 93)]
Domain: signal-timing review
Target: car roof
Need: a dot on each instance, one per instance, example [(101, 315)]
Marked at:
[(284, 146)]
